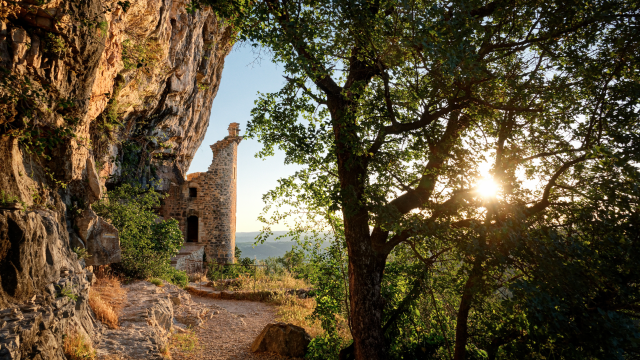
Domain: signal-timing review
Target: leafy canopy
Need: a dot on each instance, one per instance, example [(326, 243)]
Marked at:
[(398, 108)]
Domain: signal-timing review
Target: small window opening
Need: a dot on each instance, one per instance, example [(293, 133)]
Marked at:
[(193, 192)]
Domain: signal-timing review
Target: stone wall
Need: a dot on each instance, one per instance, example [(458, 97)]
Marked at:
[(215, 203)]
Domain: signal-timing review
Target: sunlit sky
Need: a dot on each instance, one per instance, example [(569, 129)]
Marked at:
[(242, 78)]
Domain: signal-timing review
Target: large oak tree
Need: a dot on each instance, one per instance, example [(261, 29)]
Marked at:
[(394, 107)]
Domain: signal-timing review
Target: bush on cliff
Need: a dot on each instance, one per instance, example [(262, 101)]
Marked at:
[(147, 244)]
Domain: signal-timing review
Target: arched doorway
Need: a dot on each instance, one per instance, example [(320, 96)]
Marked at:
[(192, 229)]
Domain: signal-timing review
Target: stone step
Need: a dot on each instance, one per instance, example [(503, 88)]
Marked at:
[(186, 251)]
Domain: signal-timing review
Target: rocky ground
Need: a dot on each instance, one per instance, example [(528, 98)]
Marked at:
[(224, 329)]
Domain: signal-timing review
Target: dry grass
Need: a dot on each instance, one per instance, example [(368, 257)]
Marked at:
[(296, 311), (261, 282), (106, 299), (76, 347)]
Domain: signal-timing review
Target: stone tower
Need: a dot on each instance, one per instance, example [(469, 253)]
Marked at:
[(224, 173), (205, 206)]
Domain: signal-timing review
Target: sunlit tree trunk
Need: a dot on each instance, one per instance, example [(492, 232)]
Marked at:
[(365, 279)]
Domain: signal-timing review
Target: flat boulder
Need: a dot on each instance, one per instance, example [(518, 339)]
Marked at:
[(282, 339)]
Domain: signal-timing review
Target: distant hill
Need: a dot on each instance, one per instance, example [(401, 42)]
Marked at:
[(270, 248), (250, 237), (263, 251)]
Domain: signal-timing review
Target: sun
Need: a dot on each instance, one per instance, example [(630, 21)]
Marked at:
[(487, 187)]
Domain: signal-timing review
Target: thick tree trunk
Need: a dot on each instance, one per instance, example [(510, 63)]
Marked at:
[(365, 279), (365, 265)]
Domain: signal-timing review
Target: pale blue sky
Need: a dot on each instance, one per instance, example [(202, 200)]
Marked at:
[(242, 78)]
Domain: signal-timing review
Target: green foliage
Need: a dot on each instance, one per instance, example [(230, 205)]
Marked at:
[(243, 266), (103, 27), (223, 8), (329, 279), (67, 291), (130, 157), (108, 121), (324, 347), (55, 44), (82, 253), (177, 277), (140, 53), (39, 140), (156, 282), (293, 261), (147, 245), (21, 102), (7, 199)]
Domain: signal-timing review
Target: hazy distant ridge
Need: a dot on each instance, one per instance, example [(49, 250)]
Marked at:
[(250, 237)]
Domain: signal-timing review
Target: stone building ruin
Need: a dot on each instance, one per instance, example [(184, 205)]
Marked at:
[(205, 206)]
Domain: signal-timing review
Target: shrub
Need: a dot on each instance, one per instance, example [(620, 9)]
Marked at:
[(7, 199), (185, 342), (55, 44), (103, 27), (147, 245), (76, 347), (156, 282), (138, 53), (67, 291), (324, 347), (176, 277), (82, 253)]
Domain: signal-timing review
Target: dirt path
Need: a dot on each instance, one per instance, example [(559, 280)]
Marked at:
[(229, 334)]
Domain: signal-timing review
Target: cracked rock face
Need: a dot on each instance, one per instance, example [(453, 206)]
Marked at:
[(44, 288), (161, 69), (141, 82), (114, 94)]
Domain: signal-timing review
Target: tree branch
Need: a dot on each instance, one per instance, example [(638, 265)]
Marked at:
[(306, 90), (544, 202)]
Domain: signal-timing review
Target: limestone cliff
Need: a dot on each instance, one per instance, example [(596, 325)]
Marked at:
[(92, 93)]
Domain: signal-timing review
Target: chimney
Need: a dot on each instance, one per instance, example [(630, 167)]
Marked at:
[(234, 129)]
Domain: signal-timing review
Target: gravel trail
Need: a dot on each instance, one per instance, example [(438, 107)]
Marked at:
[(229, 334)]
